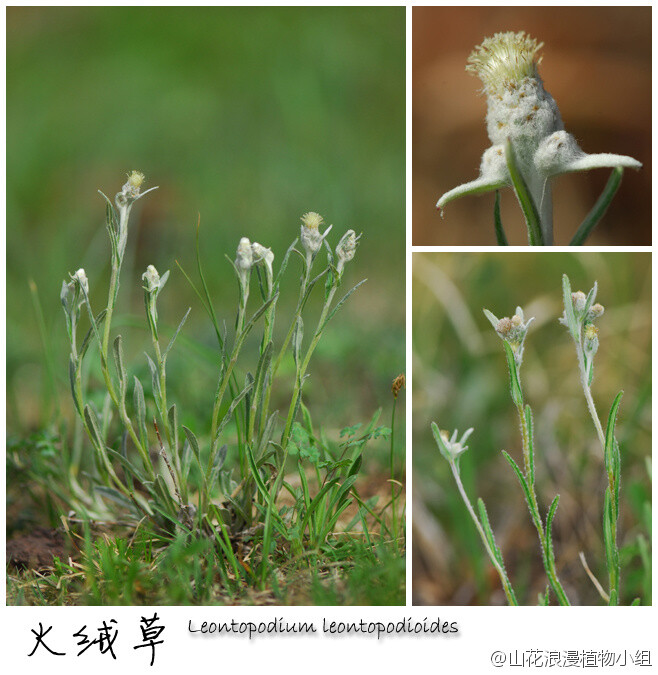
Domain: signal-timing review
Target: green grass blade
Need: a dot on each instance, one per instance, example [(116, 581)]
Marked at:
[(598, 210)]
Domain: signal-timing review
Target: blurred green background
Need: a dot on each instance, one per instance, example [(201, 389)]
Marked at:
[(461, 381), (246, 116)]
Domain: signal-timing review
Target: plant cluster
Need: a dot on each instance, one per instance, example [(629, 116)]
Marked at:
[(228, 485)]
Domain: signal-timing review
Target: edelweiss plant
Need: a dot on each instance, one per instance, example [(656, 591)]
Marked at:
[(580, 312), (579, 315), (529, 143), (177, 478)]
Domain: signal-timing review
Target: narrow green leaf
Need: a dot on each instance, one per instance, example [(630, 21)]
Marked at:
[(115, 496), (549, 523), (526, 202), (124, 454), (119, 362), (129, 468), (74, 386), (355, 467), (493, 319), (610, 434), (520, 476), (100, 317), (304, 483), (220, 458), (617, 478), (266, 434), (316, 501), (155, 377), (572, 323), (498, 223), (531, 444), (140, 408), (194, 444), (167, 503), (262, 379), (611, 553), (263, 490), (600, 207), (175, 335), (284, 263), (515, 383), (340, 303), (297, 337), (591, 297), (172, 416), (94, 429), (486, 526), (234, 404), (259, 312)]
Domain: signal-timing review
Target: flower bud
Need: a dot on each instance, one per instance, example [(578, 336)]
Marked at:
[(513, 331), (80, 277), (262, 255), (504, 327), (72, 296), (449, 446), (347, 246), (244, 255), (595, 311), (590, 340), (579, 300), (151, 279)]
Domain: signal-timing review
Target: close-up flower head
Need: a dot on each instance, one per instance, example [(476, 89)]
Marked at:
[(529, 143)]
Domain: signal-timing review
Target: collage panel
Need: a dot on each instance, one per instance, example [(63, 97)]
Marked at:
[(200, 201), (531, 409), (546, 108)]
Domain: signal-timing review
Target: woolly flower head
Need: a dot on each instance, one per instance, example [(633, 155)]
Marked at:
[(449, 446), (518, 106), (80, 277), (136, 178), (523, 119), (73, 293), (131, 188), (310, 232), (512, 330), (504, 60), (151, 279), (312, 220), (244, 256), (263, 256)]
